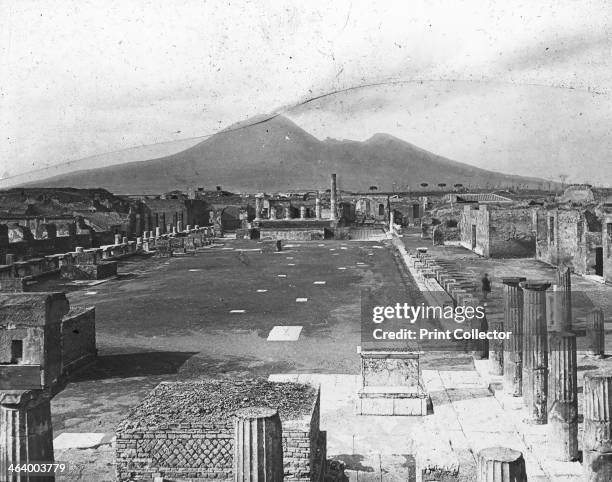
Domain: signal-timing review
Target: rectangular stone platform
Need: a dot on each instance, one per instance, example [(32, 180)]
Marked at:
[(390, 400)]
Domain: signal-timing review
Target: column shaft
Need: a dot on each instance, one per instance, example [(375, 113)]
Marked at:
[(513, 346), (597, 437)]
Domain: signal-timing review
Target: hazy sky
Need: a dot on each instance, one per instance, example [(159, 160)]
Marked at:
[(521, 87)]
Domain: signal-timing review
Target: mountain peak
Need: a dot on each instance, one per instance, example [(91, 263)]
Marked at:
[(382, 137)]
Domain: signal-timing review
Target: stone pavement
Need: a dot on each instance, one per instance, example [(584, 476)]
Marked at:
[(466, 418)]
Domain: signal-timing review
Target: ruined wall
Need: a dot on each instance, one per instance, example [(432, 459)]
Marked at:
[(607, 248), (478, 217), (511, 233), (292, 234), (78, 339), (204, 449)]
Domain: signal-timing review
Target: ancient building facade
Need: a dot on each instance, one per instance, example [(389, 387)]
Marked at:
[(570, 236), (498, 232)]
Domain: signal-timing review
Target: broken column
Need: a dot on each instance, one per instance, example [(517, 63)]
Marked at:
[(26, 434), (287, 212), (597, 437), (595, 332), (513, 346), (535, 356), (562, 317), (501, 464), (332, 199), (302, 212), (258, 447), (318, 208), (562, 436)]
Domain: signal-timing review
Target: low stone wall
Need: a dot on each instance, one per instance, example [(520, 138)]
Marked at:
[(184, 431), (78, 339)]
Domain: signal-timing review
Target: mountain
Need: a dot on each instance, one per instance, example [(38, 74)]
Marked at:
[(274, 154)]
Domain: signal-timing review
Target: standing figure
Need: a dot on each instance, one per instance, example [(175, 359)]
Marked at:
[(486, 286)]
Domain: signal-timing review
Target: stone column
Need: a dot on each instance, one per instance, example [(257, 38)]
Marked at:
[(117, 239), (597, 438), (391, 221), (26, 433), (513, 346), (595, 332), (124, 240), (535, 356), (138, 225), (480, 348), (562, 317), (332, 199), (157, 232), (318, 208), (288, 212), (272, 212), (496, 349), (302, 212), (501, 464), (258, 446), (179, 226), (258, 207), (562, 436)]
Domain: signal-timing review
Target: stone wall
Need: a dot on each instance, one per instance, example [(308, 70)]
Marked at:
[(478, 217), (607, 248), (511, 233), (185, 430), (78, 339), (293, 234)]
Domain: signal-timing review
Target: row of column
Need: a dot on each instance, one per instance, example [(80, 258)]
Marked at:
[(287, 210), (539, 364)]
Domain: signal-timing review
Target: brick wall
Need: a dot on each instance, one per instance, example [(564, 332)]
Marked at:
[(205, 450)]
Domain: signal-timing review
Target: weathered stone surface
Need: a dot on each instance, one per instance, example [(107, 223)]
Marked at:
[(501, 464), (513, 347), (535, 356), (597, 436), (258, 449), (596, 335)]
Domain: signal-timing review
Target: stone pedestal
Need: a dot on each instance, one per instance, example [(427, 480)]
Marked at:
[(597, 437), (595, 332), (562, 436), (501, 464), (513, 346), (535, 356), (258, 447), (391, 383), (26, 433)]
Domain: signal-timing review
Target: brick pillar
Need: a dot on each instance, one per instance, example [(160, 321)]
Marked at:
[(597, 437), (501, 464), (332, 199), (258, 447), (562, 318), (595, 332), (562, 436), (535, 362), (318, 208), (26, 433), (513, 346)]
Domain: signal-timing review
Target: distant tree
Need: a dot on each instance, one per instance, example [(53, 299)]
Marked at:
[(373, 188), (424, 184), (218, 188), (442, 185)]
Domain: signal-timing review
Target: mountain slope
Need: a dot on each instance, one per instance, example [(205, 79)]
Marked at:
[(275, 154)]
